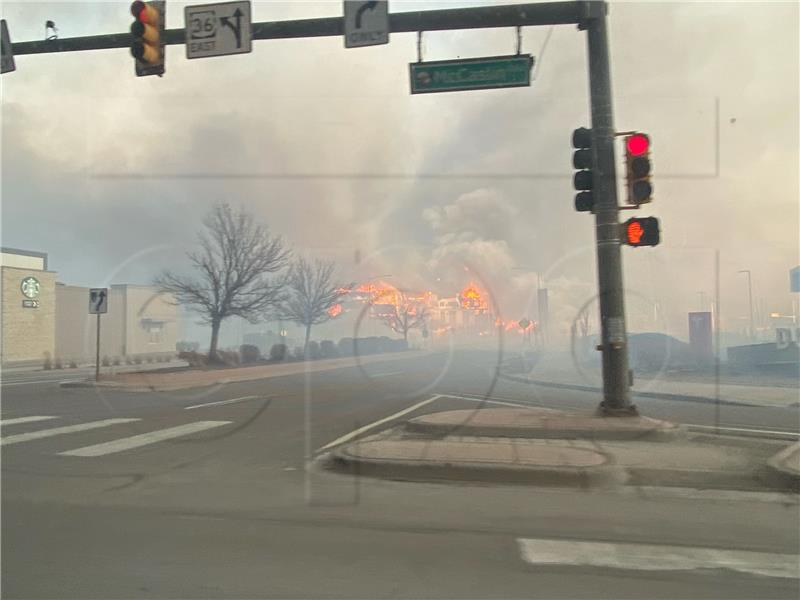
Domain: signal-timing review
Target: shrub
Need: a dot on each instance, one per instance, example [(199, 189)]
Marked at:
[(105, 362), (278, 352), (249, 353), (328, 349), (195, 359), (346, 346), (116, 361), (73, 364), (137, 360), (57, 364), (228, 357), (298, 353), (48, 364), (313, 351)]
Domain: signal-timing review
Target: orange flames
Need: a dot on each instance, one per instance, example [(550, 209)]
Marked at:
[(335, 310), (472, 299)]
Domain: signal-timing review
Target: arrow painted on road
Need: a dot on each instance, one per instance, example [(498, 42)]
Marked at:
[(237, 29)]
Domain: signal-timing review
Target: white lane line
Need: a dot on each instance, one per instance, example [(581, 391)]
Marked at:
[(45, 433), (19, 420), (386, 374), (221, 402), (360, 430), (137, 441), (648, 557), (500, 402), (744, 430)]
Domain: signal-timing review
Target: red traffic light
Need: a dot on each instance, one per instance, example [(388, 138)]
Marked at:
[(634, 232), (641, 231), (637, 144)]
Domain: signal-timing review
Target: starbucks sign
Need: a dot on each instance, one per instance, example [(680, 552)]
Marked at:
[(30, 287)]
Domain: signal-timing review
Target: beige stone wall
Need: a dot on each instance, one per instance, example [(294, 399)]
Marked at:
[(76, 329), (27, 333), (138, 322), (151, 320)]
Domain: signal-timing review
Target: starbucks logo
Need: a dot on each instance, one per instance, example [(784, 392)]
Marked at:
[(30, 287)]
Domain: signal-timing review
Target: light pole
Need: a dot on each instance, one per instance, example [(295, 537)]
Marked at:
[(750, 299)]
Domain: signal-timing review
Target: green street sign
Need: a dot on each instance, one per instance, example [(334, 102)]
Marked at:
[(471, 74)]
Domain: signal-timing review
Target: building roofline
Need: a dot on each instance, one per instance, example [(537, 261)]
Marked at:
[(31, 253)]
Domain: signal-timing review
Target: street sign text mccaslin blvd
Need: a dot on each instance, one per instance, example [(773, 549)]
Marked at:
[(471, 74)]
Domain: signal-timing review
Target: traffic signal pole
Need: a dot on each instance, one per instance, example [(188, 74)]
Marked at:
[(614, 343), (589, 16)]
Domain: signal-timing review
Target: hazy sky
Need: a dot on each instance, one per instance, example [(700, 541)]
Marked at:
[(474, 180)]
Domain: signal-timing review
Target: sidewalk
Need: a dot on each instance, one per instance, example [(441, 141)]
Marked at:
[(194, 378), (545, 447), (754, 395)]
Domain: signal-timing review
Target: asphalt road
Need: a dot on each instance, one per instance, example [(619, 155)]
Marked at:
[(205, 493)]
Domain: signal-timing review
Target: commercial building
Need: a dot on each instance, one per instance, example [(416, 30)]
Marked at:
[(43, 319), (139, 321), (28, 306)]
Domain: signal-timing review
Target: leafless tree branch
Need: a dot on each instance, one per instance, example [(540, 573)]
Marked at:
[(235, 258)]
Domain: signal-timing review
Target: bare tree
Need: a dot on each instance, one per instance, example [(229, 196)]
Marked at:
[(235, 258), (310, 294), (406, 316)]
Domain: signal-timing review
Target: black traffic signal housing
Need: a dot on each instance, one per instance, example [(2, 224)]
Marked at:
[(147, 30), (637, 169), (582, 160), (641, 231)]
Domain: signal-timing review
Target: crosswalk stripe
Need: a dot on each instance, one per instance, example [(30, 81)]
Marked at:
[(20, 420), (137, 441), (648, 557), (45, 433)]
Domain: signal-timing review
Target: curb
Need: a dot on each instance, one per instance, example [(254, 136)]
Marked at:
[(420, 426), (779, 464), (605, 475), (635, 394)]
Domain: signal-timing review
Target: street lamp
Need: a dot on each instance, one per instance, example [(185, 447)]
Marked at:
[(750, 298)]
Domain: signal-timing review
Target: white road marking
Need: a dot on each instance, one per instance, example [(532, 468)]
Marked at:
[(137, 441), (221, 402), (386, 374), (648, 557), (45, 433), (500, 402), (744, 430), (19, 420), (360, 430)]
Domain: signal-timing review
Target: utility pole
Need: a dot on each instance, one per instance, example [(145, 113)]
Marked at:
[(750, 300), (614, 342)]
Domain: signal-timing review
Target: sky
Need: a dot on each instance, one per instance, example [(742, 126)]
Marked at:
[(111, 174)]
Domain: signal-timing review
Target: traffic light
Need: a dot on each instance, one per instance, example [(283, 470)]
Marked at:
[(637, 168), (148, 37), (583, 179), (641, 231)]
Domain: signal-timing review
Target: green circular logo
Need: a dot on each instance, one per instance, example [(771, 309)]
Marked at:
[(30, 287)]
